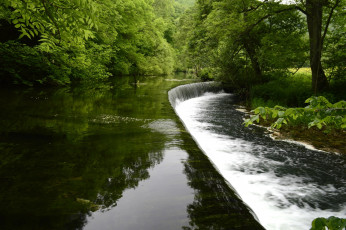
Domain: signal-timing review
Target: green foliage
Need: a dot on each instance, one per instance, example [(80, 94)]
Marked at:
[(284, 90), (320, 113), (260, 102), (335, 47), (17, 59), (246, 41), (88, 39), (56, 21), (234, 38), (332, 223)]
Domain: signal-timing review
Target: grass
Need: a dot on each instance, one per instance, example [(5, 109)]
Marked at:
[(292, 90), (305, 70), (289, 91)]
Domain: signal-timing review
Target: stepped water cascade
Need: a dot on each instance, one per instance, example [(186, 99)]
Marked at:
[(286, 184)]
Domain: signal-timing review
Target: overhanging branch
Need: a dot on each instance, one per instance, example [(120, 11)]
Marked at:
[(328, 21)]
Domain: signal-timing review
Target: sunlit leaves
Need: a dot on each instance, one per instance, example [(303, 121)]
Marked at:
[(319, 113), (55, 19), (96, 39)]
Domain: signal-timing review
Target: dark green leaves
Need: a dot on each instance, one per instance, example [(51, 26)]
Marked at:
[(332, 223)]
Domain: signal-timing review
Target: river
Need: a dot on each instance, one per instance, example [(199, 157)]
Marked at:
[(108, 156)]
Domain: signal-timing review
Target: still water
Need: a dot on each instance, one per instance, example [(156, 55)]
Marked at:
[(285, 184), (108, 156)]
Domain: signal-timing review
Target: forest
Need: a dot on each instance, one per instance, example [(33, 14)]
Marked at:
[(243, 43), (65, 41)]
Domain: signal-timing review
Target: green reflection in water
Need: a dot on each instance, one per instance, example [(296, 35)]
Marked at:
[(215, 206), (65, 153)]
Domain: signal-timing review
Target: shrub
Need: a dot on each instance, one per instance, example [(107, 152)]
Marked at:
[(332, 223), (320, 113)]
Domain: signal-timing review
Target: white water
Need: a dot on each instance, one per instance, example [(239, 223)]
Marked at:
[(279, 201)]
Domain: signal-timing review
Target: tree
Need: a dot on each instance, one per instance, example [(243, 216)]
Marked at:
[(240, 31), (88, 39), (318, 28), (245, 37)]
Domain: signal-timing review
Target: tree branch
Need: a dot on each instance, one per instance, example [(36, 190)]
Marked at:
[(328, 21), (51, 17), (301, 10), (267, 16), (251, 8)]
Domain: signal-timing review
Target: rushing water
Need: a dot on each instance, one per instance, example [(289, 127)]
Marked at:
[(287, 185), (108, 156)]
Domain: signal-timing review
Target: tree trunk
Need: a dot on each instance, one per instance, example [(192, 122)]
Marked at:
[(314, 21), (251, 51)]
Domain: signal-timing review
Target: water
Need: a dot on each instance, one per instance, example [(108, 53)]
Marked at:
[(107, 156), (285, 184)]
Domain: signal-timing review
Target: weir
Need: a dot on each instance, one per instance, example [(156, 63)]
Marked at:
[(285, 184), (186, 92)]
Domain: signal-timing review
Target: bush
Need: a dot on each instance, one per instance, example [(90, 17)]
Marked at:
[(332, 223), (320, 113), (206, 74)]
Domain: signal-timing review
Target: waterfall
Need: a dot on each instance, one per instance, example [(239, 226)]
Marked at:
[(186, 92)]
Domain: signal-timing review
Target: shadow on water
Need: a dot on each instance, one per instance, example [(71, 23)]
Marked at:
[(66, 154)]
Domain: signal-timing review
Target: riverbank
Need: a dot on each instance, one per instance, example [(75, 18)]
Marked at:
[(333, 141)]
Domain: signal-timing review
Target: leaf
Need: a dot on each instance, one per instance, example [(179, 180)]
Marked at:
[(309, 99), (279, 122), (319, 125), (278, 107), (340, 104), (319, 224), (336, 223), (257, 110), (247, 122), (254, 118)]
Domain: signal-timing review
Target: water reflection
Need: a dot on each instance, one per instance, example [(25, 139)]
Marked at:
[(215, 205), (56, 164), (69, 155)]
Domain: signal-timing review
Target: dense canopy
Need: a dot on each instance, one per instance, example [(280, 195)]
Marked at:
[(239, 42)]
